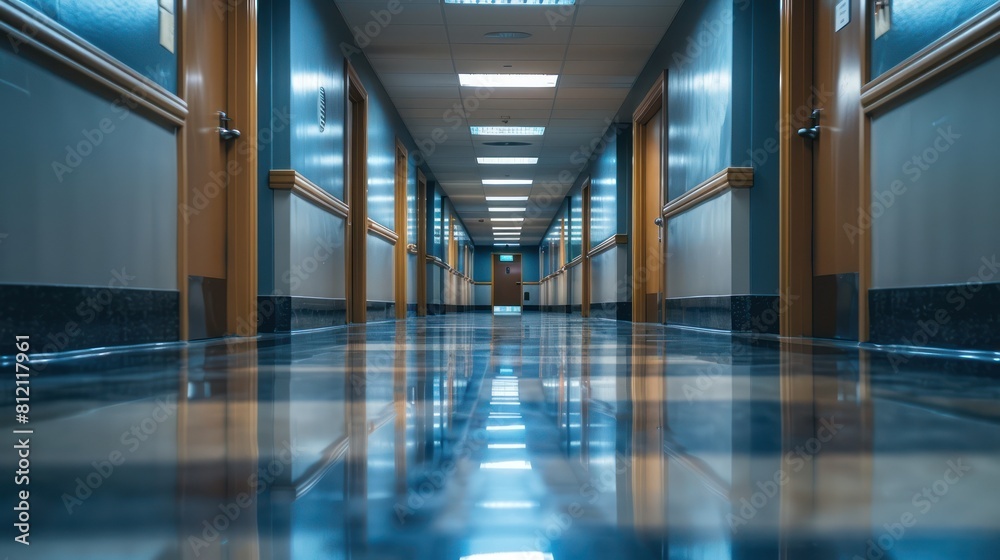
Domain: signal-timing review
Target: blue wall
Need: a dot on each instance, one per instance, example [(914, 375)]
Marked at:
[(723, 111), (529, 261), (699, 90), (128, 30), (302, 48), (610, 186), (916, 24)]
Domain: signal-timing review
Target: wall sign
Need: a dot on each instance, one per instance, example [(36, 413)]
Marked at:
[(843, 14), (506, 258)]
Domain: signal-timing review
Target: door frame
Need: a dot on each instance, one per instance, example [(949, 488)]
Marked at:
[(585, 296), (421, 244), (241, 193), (655, 100), (796, 174), (402, 205), (355, 192)]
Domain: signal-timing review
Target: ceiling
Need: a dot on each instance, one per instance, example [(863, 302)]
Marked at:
[(597, 48)]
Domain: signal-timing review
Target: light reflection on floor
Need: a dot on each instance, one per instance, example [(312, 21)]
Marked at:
[(536, 437)]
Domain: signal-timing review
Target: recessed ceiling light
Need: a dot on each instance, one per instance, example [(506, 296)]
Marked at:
[(508, 80), (506, 198), (506, 209), (507, 228), (507, 35), (507, 130), (507, 181), (506, 144), (507, 160)]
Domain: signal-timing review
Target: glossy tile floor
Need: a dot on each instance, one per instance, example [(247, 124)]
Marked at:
[(535, 437)]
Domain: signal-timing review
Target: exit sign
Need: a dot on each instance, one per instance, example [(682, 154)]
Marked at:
[(506, 258)]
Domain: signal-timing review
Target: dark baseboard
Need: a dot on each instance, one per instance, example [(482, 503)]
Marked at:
[(738, 313), (411, 310), (619, 311), (435, 309), (527, 308), (486, 308), (835, 306), (380, 311), (63, 318), (295, 313), (956, 316)]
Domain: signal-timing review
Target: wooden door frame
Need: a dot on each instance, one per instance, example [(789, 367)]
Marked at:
[(241, 193), (421, 244), (585, 296), (402, 205), (355, 192), (655, 100), (796, 174)]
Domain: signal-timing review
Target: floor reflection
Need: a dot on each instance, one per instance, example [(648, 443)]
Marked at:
[(539, 437)]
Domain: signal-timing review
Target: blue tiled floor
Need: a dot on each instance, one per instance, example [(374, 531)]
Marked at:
[(498, 438)]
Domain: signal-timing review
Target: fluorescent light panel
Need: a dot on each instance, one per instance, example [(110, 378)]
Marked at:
[(514, 220), (507, 160), (508, 80), (506, 198), (504, 182), (507, 465), (505, 209), (508, 505), (507, 228), (507, 130)]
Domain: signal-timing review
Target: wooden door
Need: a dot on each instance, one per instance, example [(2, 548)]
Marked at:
[(206, 49), (400, 276), (836, 171), (648, 235), (421, 244), (356, 188), (652, 203), (506, 280), (585, 296)]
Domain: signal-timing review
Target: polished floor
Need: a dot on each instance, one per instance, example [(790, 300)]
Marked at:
[(536, 437)]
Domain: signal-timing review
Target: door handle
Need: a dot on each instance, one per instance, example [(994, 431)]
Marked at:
[(225, 132), (658, 221), (811, 132)]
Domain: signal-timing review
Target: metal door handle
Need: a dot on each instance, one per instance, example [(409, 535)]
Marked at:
[(812, 132), (658, 221), (225, 132)]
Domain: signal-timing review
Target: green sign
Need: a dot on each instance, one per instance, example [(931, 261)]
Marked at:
[(506, 258)]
